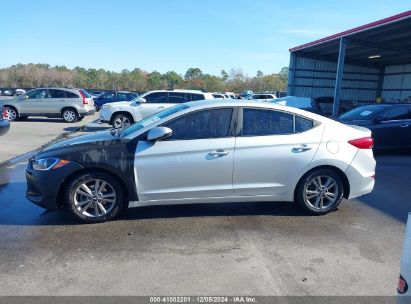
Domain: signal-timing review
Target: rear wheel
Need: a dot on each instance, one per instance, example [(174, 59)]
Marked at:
[(94, 197), (69, 115), (122, 120), (11, 113), (320, 192)]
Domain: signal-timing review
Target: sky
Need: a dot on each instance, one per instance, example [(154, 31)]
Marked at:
[(165, 35)]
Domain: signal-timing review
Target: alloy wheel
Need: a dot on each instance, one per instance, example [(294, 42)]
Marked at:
[(121, 121), (321, 192), (69, 115), (11, 114), (94, 198)]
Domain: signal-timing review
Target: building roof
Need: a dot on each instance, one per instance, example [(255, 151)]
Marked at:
[(389, 38)]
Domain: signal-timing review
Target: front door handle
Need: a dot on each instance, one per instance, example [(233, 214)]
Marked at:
[(302, 148), (405, 126), (160, 107), (219, 153)]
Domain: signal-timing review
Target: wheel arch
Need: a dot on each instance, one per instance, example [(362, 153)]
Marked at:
[(74, 175), (341, 174), (12, 106), (121, 112)]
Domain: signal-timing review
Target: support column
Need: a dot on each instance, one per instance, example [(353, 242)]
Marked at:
[(291, 74), (339, 77)]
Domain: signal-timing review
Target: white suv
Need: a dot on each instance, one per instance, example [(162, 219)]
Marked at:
[(122, 114)]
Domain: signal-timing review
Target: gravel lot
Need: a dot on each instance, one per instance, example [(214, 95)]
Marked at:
[(211, 249)]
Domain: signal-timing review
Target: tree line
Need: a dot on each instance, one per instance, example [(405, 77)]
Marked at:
[(38, 75)]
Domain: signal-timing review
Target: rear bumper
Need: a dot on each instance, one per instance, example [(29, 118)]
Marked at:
[(88, 112), (4, 126), (43, 186), (361, 173)]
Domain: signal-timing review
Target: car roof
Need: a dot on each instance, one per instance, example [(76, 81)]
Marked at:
[(180, 91)]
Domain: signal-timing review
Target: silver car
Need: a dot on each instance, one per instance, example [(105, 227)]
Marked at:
[(69, 104)]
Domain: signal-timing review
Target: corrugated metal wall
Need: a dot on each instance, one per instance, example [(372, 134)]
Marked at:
[(397, 82), (316, 78)]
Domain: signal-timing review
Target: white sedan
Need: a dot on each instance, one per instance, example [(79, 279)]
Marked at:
[(207, 152)]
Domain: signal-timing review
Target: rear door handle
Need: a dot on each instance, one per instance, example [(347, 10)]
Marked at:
[(160, 107), (302, 148), (219, 153)]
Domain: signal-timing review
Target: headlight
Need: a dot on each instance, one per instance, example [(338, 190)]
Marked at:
[(44, 164)]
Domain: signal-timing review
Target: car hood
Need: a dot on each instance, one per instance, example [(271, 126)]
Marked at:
[(100, 136)]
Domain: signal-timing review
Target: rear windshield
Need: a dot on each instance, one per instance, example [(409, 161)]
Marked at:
[(363, 113), (152, 119), (85, 93)]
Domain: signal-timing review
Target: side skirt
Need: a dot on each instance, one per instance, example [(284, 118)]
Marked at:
[(208, 200)]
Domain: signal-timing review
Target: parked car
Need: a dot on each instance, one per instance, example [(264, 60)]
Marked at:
[(4, 123), (19, 92), (113, 96), (247, 94), (69, 104), (304, 103), (326, 105), (122, 114), (205, 152), (263, 96), (8, 93), (390, 124), (219, 96)]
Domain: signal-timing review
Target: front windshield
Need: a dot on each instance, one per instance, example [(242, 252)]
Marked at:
[(152, 119), (363, 113)]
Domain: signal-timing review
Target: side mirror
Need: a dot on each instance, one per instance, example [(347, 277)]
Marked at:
[(142, 99), (159, 133)]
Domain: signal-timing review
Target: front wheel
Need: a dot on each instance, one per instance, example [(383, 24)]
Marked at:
[(94, 197), (320, 192), (11, 113), (122, 120)]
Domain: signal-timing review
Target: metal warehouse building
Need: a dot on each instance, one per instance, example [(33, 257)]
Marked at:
[(360, 65)]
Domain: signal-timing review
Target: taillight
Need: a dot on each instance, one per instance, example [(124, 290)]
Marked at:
[(362, 143), (85, 101)]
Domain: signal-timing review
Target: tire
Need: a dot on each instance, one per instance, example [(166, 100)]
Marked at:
[(312, 194), (92, 208), (69, 115), (11, 113), (122, 120)]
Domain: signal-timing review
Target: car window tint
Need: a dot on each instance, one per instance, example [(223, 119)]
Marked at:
[(202, 124), (302, 124), (257, 122), (122, 96), (38, 94), (175, 97), (57, 93), (195, 97), (131, 96), (158, 97), (71, 95), (109, 96), (396, 113)]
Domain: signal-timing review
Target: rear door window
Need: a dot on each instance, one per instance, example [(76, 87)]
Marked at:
[(53, 93), (157, 97), (260, 122), (122, 96), (176, 97), (71, 95), (396, 113), (195, 97)]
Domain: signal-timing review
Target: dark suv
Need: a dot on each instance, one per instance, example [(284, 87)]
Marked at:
[(113, 96)]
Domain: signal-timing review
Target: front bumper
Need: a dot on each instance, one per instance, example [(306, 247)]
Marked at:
[(43, 187), (4, 126), (105, 115)]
